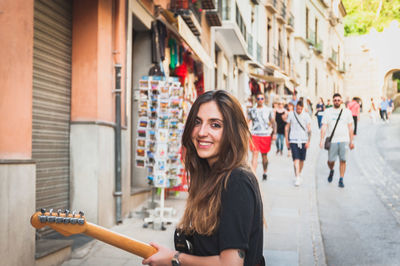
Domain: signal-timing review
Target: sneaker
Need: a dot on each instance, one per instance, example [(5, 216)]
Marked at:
[(264, 177), (341, 184), (330, 177), (298, 182)]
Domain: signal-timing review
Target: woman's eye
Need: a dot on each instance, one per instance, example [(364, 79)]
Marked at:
[(216, 125), (197, 122)]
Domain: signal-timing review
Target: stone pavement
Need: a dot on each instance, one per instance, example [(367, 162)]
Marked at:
[(292, 236)]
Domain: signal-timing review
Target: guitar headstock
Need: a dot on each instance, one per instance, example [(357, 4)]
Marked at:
[(64, 222)]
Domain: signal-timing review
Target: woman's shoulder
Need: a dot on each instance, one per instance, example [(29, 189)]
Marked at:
[(242, 175)]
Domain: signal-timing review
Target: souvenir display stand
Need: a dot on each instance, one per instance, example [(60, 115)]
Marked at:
[(160, 127)]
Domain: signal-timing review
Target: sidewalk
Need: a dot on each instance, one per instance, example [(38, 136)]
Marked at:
[(293, 235)]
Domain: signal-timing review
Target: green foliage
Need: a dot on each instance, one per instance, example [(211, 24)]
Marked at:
[(362, 15)]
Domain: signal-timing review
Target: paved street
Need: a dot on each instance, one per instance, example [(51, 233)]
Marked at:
[(360, 224), (316, 223)]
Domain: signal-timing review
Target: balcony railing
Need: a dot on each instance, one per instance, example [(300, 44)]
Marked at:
[(190, 14), (214, 16)]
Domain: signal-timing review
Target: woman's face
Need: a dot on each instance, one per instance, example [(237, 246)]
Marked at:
[(207, 132)]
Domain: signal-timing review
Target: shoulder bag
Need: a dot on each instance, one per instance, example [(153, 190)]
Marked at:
[(295, 116), (328, 140)]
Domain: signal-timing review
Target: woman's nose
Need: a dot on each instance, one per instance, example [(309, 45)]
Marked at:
[(203, 130)]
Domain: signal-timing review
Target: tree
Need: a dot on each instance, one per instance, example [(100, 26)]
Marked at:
[(362, 15)]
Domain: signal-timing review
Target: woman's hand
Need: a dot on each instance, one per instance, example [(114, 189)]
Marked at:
[(162, 258)]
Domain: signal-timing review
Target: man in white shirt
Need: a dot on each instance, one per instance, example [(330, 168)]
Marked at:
[(343, 136), (298, 135), (263, 130)]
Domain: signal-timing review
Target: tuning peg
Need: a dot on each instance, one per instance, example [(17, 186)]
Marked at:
[(43, 210), (81, 213), (51, 212), (58, 218), (73, 219), (67, 212)]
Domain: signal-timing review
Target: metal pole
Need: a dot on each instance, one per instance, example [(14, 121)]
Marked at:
[(118, 192)]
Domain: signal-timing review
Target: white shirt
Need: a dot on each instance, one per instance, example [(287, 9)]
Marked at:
[(260, 118), (342, 129), (296, 133)]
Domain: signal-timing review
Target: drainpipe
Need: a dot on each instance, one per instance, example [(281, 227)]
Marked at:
[(118, 192)]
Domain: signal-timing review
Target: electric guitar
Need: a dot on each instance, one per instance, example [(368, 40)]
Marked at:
[(68, 223)]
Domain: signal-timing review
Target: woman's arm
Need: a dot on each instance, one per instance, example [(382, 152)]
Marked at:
[(164, 257)]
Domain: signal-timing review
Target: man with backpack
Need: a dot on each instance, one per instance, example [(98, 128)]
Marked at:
[(338, 123), (298, 135)]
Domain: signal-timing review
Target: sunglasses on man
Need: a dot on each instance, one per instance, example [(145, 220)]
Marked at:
[(260, 98)]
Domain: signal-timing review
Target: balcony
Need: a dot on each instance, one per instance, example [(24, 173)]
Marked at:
[(311, 37), (208, 4), (319, 47), (290, 23), (190, 14), (233, 31), (214, 16), (272, 6), (342, 69), (281, 15), (332, 60)]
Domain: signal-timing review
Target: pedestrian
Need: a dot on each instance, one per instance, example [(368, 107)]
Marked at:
[(355, 112), (308, 107), (328, 104), (320, 111), (263, 129), (342, 139), (372, 111), (223, 219), (390, 107), (294, 99), (383, 109), (298, 135), (290, 109), (280, 115)]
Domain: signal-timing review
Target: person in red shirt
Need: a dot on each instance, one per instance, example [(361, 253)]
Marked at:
[(354, 107)]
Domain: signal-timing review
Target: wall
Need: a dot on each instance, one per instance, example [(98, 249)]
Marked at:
[(17, 171)]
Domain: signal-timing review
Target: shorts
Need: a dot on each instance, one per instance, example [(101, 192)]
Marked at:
[(260, 143), (297, 152), (338, 149)]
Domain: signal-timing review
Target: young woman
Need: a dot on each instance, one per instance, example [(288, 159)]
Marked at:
[(280, 118), (320, 111), (223, 219)]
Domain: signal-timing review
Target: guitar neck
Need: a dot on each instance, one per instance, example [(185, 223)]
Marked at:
[(120, 241)]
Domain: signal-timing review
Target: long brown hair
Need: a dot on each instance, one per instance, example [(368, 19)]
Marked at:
[(207, 183)]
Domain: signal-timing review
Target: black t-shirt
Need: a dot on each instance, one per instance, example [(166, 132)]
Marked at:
[(241, 220)]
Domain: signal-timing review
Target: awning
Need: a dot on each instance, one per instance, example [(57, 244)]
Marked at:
[(268, 78)]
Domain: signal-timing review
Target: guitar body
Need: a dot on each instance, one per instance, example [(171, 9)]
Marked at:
[(68, 224)]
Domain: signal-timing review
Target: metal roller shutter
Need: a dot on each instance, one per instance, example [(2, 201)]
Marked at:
[(51, 101)]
